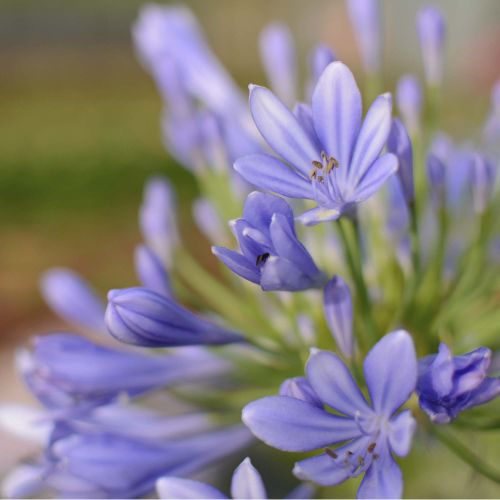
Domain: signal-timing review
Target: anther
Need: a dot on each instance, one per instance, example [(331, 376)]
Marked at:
[(331, 453), (361, 460), (261, 259), (371, 447), (317, 164), (313, 173), (376, 456)]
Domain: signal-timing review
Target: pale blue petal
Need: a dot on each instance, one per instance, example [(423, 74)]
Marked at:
[(391, 372), (372, 137), (303, 490), (375, 176), (267, 172), (237, 263), (337, 302), (246, 482), (337, 107), (290, 424), (170, 488), (151, 271), (382, 480), (333, 383), (322, 470), (259, 209), (300, 388), (319, 214), (401, 430), (303, 112), (279, 273), (281, 129)]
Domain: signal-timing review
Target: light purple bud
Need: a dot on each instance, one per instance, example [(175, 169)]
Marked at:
[(431, 32), (72, 298), (320, 58), (409, 101), (214, 150), (482, 182), (300, 388), (157, 219), (208, 221), (399, 143), (277, 52), (365, 18), (436, 173), (337, 303), (151, 272)]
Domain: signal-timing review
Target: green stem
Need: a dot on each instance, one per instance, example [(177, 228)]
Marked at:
[(466, 455), (354, 261)]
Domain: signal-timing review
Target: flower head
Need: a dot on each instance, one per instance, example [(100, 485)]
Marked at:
[(448, 385), (271, 254), (333, 158), (372, 432)]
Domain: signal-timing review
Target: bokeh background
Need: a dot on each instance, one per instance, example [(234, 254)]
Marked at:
[(79, 130)]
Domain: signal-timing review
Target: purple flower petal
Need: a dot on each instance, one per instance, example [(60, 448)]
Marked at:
[(391, 372), (382, 480), (259, 209), (375, 176), (318, 215), (237, 263), (175, 487), (281, 129), (336, 106), (246, 482), (337, 303), (151, 272), (279, 273), (300, 388), (372, 137), (333, 383), (322, 470), (290, 424), (321, 56), (267, 172), (401, 430)]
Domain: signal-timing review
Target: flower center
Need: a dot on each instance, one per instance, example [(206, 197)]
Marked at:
[(356, 461), (320, 169)]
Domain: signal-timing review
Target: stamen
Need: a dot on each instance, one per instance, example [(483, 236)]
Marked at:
[(313, 173), (331, 453), (317, 164), (361, 460), (261, 259), (371, 447)]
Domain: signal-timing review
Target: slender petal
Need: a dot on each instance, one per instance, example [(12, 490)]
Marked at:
[(382, 480), (372, 137), (337, 303), (300, 388), (336, 107), (399, 144), (333, 383), (170, 488), (259, 209), (376, 175), (281, 129), (290, 424), (26, 422), (237, 263), (247, 483), (279, 273), (319, 214), (267, 172), (151, 271), (72, 298), (25, 481), (320, 58), (409, 101), (402, 428), (321, 469), (391, 371)]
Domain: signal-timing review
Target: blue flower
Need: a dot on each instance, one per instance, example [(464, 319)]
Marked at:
[(448, 385), (483, 175), (73, 299), (371, 432), (271, 254), (334, 158), (246, 483), (66, 371), (142, 317), (409, 101)]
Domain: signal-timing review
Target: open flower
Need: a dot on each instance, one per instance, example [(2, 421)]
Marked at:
[(371, 432), (328, 154), (271, 254), (448, 385)]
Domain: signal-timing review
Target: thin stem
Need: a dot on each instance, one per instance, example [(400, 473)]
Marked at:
[(415, 244), (466, 455), (354, 261)]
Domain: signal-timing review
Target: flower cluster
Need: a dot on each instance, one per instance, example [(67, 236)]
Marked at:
[(406, 242)]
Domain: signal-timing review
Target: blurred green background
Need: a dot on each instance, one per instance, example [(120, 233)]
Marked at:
[(79, 126)]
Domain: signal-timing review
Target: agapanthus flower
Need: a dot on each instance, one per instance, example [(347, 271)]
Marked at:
[(448, 385), (333, 158), (73, 299), (245, 483), (372, 432), (483, 176), (65, 371), (271, 254), (142, 317), (409, 101)]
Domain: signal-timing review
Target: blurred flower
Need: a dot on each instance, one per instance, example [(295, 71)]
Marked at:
[(277, 52), (399, 144), (142, 317), (208, 221), (73, 299), (58, 374), (431, 32), (372, 433), (365, 18), (320, 57), (483, 175), (151, 272), (409, 101), (157, 219), (336, 162), (271, 254), (246, 483), (337, 302), (448, 385)]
